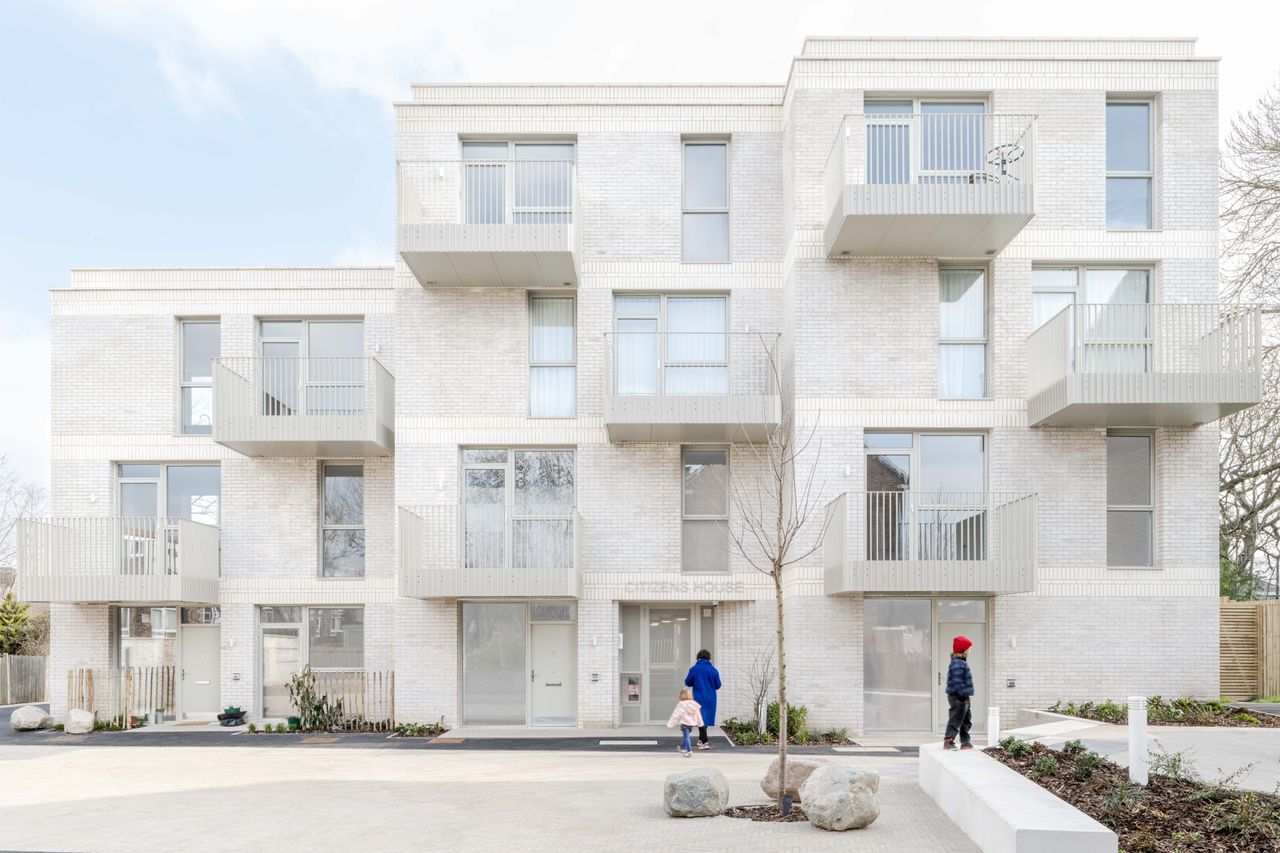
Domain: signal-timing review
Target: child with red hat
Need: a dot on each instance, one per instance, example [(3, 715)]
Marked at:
[(959, 692)]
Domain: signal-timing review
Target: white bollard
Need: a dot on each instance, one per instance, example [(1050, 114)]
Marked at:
[(993, 726), (1138, 760)]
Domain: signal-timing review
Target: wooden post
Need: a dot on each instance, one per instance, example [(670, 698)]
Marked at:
[(392, 695), (91, 706)]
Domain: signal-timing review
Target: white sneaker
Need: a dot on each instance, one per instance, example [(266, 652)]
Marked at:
[(689, 754)]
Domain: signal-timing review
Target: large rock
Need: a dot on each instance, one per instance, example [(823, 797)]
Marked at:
[(29, 718), (79, 722), (798, 769), (696, 793), (838, 798)]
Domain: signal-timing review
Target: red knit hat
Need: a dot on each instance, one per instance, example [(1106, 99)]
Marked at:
[(960, 644)]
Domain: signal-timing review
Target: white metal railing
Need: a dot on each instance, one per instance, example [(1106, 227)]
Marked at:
[(313, 385), (931, 148), (487, 192), (691, 363), (1193, 339)]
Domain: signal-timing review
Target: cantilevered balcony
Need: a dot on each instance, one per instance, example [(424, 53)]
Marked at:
[(696, 386), (489, 551), (490, 223), (930, 542), (929, 185), (143, 561), (1144, 365), (304, 406)]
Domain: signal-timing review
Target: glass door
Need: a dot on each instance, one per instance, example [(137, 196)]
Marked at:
[(670, 656), (335, 368), (495, 666), (484, 516), (281, 658)]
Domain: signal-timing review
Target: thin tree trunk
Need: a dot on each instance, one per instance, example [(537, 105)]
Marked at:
[(782, 690)]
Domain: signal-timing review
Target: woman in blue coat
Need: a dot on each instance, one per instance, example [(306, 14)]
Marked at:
[(705, 681)]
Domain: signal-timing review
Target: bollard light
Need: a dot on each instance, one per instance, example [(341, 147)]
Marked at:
[(1138, 760), (993, 726)]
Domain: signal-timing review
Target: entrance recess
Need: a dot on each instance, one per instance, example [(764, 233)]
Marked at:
[(659, 643), (201, 670)]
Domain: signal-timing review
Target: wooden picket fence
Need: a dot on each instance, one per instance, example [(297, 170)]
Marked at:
[(368, 698), (1248, 648), (124, 695), (22, 679)]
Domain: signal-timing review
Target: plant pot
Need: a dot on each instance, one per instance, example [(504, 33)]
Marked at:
[(294, 722), (236, 719), (157, 718)]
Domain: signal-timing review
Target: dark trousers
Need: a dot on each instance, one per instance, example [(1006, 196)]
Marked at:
[(702, 734), (959, 719)]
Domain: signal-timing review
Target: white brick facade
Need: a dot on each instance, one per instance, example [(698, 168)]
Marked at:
[(860, 337)]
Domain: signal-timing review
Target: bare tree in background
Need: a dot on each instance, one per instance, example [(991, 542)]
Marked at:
[(20, 497), (1249, 485), (757, 681), (775, 512)]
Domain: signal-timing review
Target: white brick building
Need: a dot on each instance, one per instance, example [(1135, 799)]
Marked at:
[(987, 268)]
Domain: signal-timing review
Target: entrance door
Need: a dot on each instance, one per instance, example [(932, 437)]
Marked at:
[(976, 632), (670, 656), (552, 698), (201, 670)]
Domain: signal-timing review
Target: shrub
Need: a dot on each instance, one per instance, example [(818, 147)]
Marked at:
[(251, 729), (421, 729), (315, 712), (837, 735), (1247, 718), (1122, 799), (1251, 816), (1045, 765), (1087, 764), (1015, 747), (1175, 765), (1073, 747), (797, 715)]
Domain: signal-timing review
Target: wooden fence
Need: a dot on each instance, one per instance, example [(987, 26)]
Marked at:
[(368, 698), (1249, 648), (123, 695), (22, 679)]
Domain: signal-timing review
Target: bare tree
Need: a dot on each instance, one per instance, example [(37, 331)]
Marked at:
[(757, 681), (20, 497), (771, 531)]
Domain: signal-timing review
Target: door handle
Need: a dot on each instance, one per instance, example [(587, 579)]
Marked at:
[(553, 684), (531, 678), (939, 679)]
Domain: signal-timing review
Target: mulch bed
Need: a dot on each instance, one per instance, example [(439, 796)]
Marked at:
[(1178, 712), (766, 814), (1170, 815)]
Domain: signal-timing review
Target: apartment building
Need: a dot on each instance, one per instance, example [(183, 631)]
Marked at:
[(980, 273)]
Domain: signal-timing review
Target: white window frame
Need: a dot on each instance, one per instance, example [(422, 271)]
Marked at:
[(533, 364), (983, 341), (1079, 293), (508, 177), (324, 527), (183, 383), (916, 172), (685, 209), (509, 489), (685, 516), (1149, 173), (1148, 508), (304, 640), (661, 331), (162, 483)]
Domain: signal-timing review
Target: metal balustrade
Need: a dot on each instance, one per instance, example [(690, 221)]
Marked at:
[(304, 406), (905, 541), (489, 550), (1162, 364), (931, 184), (691, 386), (124, 560)]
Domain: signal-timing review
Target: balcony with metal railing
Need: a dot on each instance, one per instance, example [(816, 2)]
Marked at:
[(1144, 365), (694, 386), (490, 551), (490, 223), (929, 185), (930, 542), (304, 406), (118, 560)]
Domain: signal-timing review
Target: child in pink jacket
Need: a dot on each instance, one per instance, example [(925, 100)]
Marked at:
[(688, 714)]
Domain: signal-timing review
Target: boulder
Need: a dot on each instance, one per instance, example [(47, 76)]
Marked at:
[(79, 722), (798, 769), (696, 793), (837, 797), (29, 718)]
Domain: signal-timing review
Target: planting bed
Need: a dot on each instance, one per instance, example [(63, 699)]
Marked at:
[(767, 814), (1175, 712)]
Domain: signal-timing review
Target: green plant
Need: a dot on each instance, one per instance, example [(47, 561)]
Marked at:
[(1143, 841), (1073, 747), (251, 729), (837, 735), (234, 709), (1015, 747), (282, 728), (1220, 790), (315, 712), (1087, 763), (1250, 816), (15, 619), (801, 736), (1045, 765), (1265, 699), (1122, 799), (421, 729), (1175, 765), (59, 727), (1246, 717), (797, 717)]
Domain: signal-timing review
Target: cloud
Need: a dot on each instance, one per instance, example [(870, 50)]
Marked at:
[(365, 253), (24, 391), (198, 93)]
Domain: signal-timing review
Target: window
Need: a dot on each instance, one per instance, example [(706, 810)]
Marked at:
[(517, 508), (200, 345), (521, 183), (962, 333), (705, 508), (342, 521), (949, 147), (146, 636), (313, 367), (1113, 314), (163, 491), (328, 639), (1129, 165), (705, 221), (553, 375), (1130, 500), (671, 345)]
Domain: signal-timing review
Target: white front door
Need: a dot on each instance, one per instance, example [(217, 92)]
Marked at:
[(201, 670), (977, 633), (554, 675)]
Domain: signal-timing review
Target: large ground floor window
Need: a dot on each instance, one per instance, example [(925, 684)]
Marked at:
[(519, 663), (326, 638), (659, 644)]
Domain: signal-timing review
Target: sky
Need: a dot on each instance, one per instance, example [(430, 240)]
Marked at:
[(259, 132)]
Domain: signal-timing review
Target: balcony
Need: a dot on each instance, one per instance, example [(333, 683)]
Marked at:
[(930, 542), (1144, 365), (489, 551), (490, 223), (691, 387), (929, 185), (304, 406), (127, 561)]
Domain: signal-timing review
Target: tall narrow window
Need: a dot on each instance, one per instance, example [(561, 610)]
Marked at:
[(342, 521), (962, 333), (553, 375), (1129, 165), (706, 510), (200, 345), (1130, 500), (705, 222)]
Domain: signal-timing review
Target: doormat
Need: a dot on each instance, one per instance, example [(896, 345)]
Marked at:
[(192, 723), (447, 740), (319, 740)]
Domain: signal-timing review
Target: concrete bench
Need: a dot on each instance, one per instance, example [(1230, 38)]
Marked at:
[(1004, 812)]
